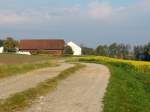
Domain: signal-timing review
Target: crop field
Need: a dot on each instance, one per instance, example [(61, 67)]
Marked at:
[(20, 59), (12, 64), (129, 86), (139, 66)]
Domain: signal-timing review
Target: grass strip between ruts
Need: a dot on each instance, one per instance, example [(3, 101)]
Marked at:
[(10, 70)]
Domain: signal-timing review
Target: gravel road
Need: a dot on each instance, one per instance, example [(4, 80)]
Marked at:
[(11, 85), (81, 92)]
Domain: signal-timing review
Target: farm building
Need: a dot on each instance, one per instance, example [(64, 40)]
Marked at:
[(51, 46), (77, 51), (1, 49)]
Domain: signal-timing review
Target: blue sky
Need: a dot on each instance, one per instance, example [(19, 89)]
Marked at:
[(88, 22)]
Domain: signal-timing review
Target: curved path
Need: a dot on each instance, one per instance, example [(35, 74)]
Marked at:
[(14, 84), (81, 92)]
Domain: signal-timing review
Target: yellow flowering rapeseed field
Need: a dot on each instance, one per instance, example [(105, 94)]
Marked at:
[(141, 66)]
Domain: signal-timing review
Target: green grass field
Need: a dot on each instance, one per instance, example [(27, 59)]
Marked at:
[(128, 91)]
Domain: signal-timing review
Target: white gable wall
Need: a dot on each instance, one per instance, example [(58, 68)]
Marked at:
[(75, 48)]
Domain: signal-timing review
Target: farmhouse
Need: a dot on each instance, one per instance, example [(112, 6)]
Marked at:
[(1, 49), (51, 46), (77, 51)]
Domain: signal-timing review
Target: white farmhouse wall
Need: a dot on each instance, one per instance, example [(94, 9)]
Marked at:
[(75, 48), (1, 49)]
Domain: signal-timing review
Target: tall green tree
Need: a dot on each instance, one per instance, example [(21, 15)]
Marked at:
[(113, 50), (147, 48), (123, 50), (1, 43), (10, 44), (138, 51), (101, 50), (142, 52)]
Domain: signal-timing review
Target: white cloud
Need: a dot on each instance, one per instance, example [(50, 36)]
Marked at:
[(96, 10), (12, 17), (100, 10), (144, 5), (38, 15), (106, 11)]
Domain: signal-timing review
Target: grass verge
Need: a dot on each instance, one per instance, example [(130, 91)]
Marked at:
[(23, 99), (128, 90), (9, 70)]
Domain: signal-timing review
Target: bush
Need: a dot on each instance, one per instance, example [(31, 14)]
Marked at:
[(68, 50)]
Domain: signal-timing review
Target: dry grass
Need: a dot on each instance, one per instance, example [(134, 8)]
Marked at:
[(11, 70), (20, 59), (12, 64)]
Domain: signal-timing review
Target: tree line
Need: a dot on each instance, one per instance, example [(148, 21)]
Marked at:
[(123, 51), (142, 52)]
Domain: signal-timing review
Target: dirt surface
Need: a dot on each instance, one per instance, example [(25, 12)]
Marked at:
[(81, 92), (11, 85)]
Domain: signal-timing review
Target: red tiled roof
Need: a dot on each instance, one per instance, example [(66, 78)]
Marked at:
[(42, 44)]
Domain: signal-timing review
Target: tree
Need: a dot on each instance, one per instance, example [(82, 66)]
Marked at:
[(146, 56), (142, 52), (87, 50), (123, 50), (113, 50), (1, 43), (138, 52), (68, 50), (101, 50), (10, 44), (147, 48)]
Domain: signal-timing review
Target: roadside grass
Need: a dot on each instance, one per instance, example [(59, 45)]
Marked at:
[(128, 90), (21, 100), (10, 70)]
